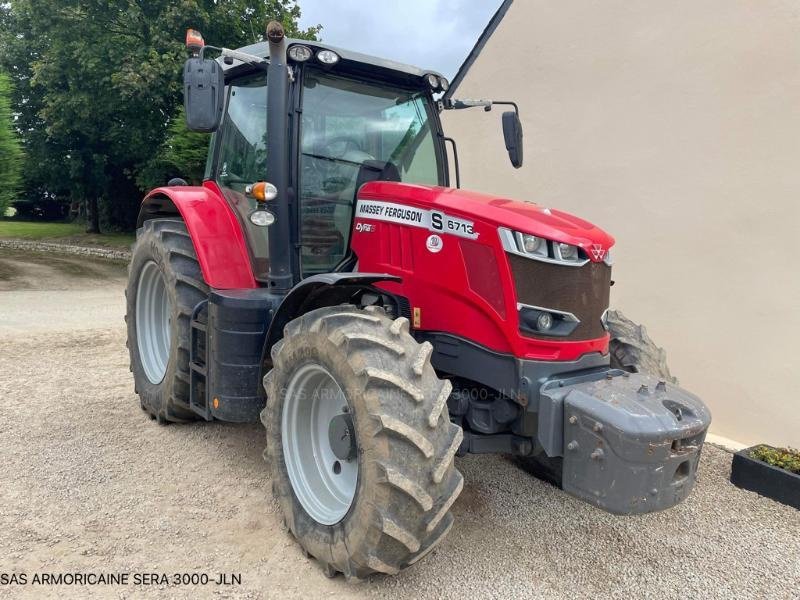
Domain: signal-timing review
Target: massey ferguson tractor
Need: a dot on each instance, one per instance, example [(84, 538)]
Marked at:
[(326, 278)]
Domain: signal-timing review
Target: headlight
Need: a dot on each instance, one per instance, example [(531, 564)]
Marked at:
[(568, 252), (539, 248), (444, 84), (531, 244), (262, 218), (544, 321), (300, 53), (433, 80), (327, 57)]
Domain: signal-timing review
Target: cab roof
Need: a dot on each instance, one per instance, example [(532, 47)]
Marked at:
[(349, 61)]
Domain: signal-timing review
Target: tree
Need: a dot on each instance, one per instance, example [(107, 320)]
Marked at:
[(100, 83), (10, 149), (183, 154)]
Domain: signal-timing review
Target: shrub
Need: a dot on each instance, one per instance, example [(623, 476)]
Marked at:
[(784, 458), (10, 149)]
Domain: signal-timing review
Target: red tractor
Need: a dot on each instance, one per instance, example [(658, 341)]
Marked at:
[(326, 278)]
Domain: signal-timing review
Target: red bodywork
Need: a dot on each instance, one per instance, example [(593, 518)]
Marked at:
[(465, 287), (216, 233)]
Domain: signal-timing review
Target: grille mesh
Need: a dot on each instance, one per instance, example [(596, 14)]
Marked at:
[(583, 291)]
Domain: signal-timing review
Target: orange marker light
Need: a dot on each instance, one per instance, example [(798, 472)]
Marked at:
[(262, 191), (194, 40), (216, 403)]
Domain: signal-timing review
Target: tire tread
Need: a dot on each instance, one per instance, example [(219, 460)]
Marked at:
[(413, 437)]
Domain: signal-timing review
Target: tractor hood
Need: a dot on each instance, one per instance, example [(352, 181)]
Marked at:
[(493, 211)]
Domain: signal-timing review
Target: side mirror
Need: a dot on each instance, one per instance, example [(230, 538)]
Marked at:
[(203, 94), (512, 132)]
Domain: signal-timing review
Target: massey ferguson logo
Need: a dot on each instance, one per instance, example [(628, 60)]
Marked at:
[(598, 251)]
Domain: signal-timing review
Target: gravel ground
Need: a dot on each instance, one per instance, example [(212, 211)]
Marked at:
[(44, 292), (90, 484)]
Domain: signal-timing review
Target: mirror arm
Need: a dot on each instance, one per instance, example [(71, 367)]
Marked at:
[(451, 104), (229, 55), (202, 54), (242, 56), (507, 103)]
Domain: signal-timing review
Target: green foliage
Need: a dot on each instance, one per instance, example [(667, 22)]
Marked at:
[(98, 85), (183, 154), (28, 230), (10, 149), (784, 458)]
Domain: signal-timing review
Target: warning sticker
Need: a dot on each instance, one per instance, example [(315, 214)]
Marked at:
[(433, 220)]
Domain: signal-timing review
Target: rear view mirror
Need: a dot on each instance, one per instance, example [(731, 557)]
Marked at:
[(203, 94), (512, 132)]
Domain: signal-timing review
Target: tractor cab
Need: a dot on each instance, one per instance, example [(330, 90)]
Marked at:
[(347, 127), (352, 119)]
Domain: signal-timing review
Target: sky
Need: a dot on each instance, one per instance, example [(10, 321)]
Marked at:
[(432, 34)]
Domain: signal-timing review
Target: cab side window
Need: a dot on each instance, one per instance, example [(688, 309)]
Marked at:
[(242, 159)]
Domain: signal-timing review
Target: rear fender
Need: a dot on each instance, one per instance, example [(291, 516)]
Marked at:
[(215, 231)]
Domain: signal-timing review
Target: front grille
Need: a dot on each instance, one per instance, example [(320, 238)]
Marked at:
[(583, 291)]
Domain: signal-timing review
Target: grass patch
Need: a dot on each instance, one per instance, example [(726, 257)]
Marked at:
[(68, 233), (30, 230), (784, 458)]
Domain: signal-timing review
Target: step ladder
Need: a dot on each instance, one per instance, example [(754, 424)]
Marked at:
[(198, 364)]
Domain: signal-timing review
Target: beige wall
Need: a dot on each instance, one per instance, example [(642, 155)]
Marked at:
[(676, 127)]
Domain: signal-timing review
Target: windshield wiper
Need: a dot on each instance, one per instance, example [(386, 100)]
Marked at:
[(332, 159)]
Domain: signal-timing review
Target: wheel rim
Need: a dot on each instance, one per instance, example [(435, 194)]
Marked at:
[(153, 316), (324, 483)]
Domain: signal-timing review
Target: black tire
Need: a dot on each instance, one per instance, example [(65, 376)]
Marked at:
[(632, 349), (406, 443), (166, 243)]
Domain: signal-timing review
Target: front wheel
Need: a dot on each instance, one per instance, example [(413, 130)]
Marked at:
[(632, 349), (359, 441)]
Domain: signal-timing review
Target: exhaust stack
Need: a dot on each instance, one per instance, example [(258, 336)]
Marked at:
[(281, 278)]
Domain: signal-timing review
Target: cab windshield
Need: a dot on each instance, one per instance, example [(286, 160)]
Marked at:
[(352, 131)]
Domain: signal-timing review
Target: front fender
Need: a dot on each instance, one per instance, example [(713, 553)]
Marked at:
[(316, 291), (216, 233)]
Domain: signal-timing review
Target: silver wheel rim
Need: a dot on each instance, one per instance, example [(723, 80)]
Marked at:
[(153, 317), (324, 484)]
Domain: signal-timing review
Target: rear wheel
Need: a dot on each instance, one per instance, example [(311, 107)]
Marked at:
[(359, 441), (164, 286)]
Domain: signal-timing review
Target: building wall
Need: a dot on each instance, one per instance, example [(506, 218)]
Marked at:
[(675, 126)]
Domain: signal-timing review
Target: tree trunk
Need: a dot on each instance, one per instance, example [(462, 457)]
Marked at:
[(92, 216)]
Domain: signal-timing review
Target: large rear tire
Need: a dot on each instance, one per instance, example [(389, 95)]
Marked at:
[(164, 286), (373, 383)]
